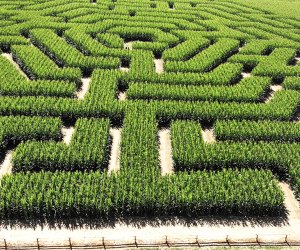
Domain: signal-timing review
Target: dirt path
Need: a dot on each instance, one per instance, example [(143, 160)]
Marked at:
[(124, 69), (165, 152), (6, 166), (67, 134), (84, 88), (208, 136), (290, 202), (274, 89), (246, 75), (128, 45), (122, 96), (159, 66), (114, 162), (10, 58)]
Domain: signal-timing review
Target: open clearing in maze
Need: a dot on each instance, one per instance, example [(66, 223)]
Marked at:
[(122, 108)]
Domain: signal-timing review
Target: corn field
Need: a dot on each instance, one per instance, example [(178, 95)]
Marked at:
[(89, 87)]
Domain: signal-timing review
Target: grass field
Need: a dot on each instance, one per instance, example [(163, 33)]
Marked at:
[(121, 108)]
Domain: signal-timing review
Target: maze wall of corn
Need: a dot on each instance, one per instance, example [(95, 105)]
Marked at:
[(119, 108)]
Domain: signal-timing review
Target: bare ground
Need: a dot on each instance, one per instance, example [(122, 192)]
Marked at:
[(165, 152), (124, 69), (6, 166), (10, 58), (159, 66), (208, 136), (128, 45), (84, 88), (246, 75), (67, 134), (114, 162), (122, 96), (290, 202), (274, 88)]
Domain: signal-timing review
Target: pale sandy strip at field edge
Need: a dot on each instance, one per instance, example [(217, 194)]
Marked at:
[(165, 152), (6, 166), (67, 134), (274, 88), (84, 88), (10, 58), (114, 162), (159, 66), (290, 201)]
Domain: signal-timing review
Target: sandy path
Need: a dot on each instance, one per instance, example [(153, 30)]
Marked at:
[(84, 88), (245, 75), (208, 136), (159, 66), (10, 58), (128, 45), (274, 89), (290, 202), (122, 96), (165, 152), (124, 69), (6, 166), (67, 134), (114, 161)]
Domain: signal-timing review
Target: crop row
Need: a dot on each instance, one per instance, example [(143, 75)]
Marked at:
[(97, 195), (248, 90), (207, 59), (283, 106), (191, 152), (65, 54), (88, 149), (186, 49), (257, 131), (14, 129), (225, 74), (13, 83), (38, 66)]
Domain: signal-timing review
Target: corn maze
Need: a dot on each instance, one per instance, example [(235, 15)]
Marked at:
[(184, 108)]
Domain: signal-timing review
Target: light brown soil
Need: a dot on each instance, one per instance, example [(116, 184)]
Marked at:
[(67, 134), (165, 152), (159, 66), (6, 166), (128, 45), (208, 136), (10, 58), (122, 96), (84, 88), (114, 162), (274, 89)]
